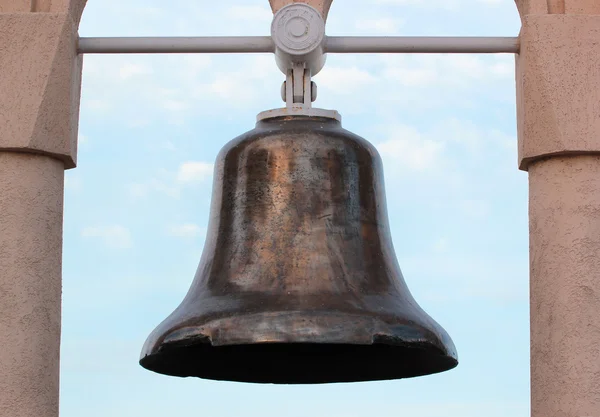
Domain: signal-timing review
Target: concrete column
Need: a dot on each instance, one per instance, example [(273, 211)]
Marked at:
[(558, 104), (39, 109), (31, 207), (565, 286), (321, 5)]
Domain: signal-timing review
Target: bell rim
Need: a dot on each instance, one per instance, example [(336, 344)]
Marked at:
[(217, 365), (363, 333), (358, 326)]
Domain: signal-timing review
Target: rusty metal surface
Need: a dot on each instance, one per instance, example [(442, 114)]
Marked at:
[(298, 281)]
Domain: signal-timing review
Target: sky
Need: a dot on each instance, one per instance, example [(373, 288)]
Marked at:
[(136, 207)]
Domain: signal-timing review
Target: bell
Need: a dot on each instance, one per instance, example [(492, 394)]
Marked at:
[(298, 281)]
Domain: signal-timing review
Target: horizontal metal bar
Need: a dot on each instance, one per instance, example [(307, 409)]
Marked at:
[(264, 44), (177, 45), (440, 45)]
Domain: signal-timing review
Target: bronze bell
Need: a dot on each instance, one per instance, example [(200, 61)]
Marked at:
[(298, 282)]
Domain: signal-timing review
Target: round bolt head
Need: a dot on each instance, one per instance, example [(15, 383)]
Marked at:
[(298, 29), (284, 91)]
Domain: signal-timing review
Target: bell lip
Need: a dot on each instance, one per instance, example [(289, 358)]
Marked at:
[(399, 362), (339, 327), (329, 331)]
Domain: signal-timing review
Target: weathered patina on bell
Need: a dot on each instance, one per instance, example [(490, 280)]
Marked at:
[(298, 282)]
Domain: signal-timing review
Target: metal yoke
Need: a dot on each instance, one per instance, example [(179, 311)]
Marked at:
[(298, 32)]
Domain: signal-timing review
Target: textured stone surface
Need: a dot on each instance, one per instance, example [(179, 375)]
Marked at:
[(528, 7), (40, 84), (558, 112), (31, 210), (72, 7), (558, 86), (39, 110), (321, 5), (11, 6), (588, 7), (565, 286)]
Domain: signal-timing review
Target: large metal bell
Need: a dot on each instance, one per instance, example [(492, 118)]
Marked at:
[(298, 282)]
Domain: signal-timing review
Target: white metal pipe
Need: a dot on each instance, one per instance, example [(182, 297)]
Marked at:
[(264, 44), (441, 45), (177, 45)]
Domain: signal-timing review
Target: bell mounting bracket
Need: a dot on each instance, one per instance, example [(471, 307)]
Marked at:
[(298, 34)]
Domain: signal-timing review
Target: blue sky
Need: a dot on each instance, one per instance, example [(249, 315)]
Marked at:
[(137, 205)]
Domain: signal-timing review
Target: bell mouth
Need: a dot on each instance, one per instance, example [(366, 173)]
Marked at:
[(299, 363), (300, 348)]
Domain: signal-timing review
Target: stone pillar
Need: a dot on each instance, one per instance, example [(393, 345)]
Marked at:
[(39, 109), (321, 5), (558, 105)]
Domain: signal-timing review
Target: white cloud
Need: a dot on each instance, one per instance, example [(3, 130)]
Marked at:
[(438, 160), (242, 88), (384, 25), (408, 149), (444, 4), (129, 70), (194, 172), (453, 274), (171, 183), (138, 122), (177, 84), (504, 140), (96, 105), (188, 230), (343, 80), (456, 70), (475, 208), (504, 68), (411, 76), (472, 137), (441, 245), (114, 236), (197, 62), (472, 409), (139, 190), (168, 146), (175, 105), (386, 84), (254, 13), (426, 146), (73, 182), (150, 11)]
